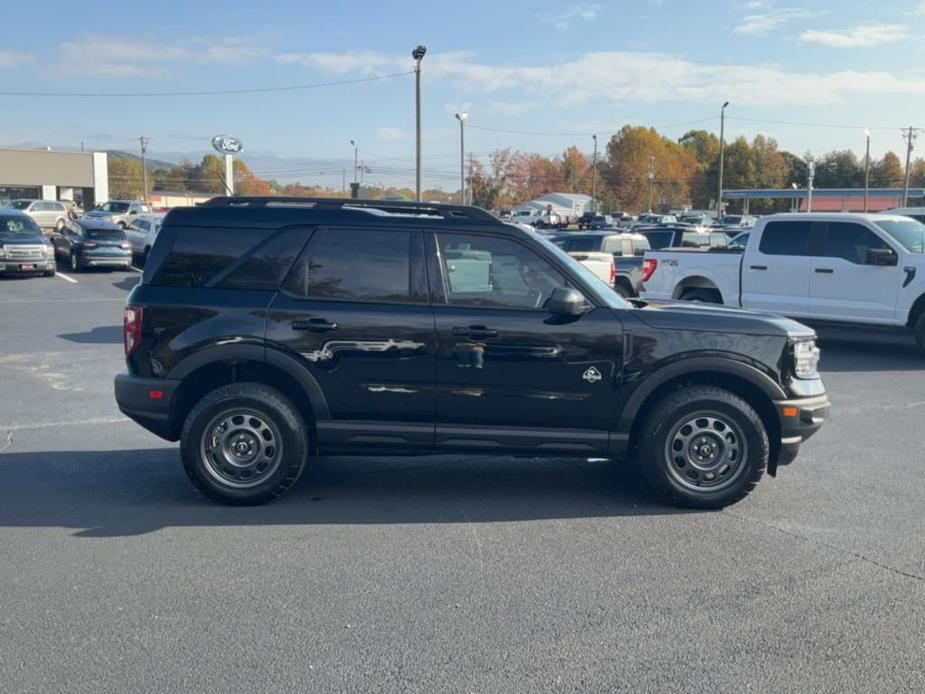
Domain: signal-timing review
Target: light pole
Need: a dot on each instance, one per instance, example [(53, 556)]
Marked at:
[(418, 55), (722, 156), (593, 174), (144, 166), (809, 186), (867, 170), (651, 180), (356, 154), (910, 145), (461, 117)]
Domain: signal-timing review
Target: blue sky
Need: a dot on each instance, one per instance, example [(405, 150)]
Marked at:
[(536, 67)]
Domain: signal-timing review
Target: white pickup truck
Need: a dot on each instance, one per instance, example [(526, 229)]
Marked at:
[(862, 269)]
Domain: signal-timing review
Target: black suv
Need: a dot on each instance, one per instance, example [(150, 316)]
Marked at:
[(267, 330)]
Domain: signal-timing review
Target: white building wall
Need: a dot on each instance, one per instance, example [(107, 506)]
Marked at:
[(100, 177), (49, 192)]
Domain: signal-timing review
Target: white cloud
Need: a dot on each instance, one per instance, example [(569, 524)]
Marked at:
[(920, 10), (365, 62), (391, 134), (766, 22), (511, 108), (563, 19), (116, 56), (628, 77), (10, 59), (857, 37)]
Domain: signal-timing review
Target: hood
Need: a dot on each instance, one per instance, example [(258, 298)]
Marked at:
[(689, 315), (98, 213), (22, 240)]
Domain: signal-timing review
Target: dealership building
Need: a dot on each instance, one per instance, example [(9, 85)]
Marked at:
[(43, 175)]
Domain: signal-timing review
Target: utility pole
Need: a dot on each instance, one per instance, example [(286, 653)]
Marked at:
[(418, 55), (867, 171), (470, 178), (910, 144), (651, 179), (594, 174), (343, 181), (144, 166), (461, 117), (722, 157), (356, 150), (809, 186)]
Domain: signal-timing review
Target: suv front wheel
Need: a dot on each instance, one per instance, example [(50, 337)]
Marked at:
[(703, 447), (244, 443)]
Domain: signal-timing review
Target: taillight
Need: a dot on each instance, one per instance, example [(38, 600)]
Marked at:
[(648, 268), (131, 328), (613, 272)]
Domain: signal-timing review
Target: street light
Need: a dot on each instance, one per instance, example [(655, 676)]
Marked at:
[(867, 170), (722, 153), (418, 55), (461, 117), (356, 152), (593, 174)]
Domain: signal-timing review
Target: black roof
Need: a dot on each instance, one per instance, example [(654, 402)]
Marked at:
[(269, 212)]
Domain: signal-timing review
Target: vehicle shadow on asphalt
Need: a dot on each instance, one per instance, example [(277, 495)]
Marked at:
[(133, 492), (843, 352), (128, 282), (100, 335)]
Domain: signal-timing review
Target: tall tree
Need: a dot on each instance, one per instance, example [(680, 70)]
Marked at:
[(125, 179)]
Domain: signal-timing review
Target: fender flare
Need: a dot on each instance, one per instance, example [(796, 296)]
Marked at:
[(258, 352), (691, 365)]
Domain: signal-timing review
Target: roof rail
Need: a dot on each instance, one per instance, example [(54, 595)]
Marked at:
[(391, 206)]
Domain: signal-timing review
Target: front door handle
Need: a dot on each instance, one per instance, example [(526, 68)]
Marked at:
[(758, 267), (825, 270), (477, 332), (314, 325)]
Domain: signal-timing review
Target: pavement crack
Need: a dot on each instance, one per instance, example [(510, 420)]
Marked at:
[(825, 545)]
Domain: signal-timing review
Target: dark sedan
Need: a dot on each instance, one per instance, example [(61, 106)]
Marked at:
[(89, 243)]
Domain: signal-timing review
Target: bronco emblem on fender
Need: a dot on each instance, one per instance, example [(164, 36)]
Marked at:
[(592, 375)]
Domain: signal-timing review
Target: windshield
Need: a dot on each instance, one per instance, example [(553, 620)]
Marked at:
[(610, 297), (20, 204), (909, 233), (18, 226), (114, 207)]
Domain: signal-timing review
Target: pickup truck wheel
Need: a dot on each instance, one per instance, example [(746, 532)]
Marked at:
[(244, 444), (623, 290), (706, 296), (703, 447), (919, 332)]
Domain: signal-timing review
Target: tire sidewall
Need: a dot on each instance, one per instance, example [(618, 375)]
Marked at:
[(656, 465), (270, 404)]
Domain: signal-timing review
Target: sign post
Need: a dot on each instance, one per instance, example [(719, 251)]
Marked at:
[(223, 144)]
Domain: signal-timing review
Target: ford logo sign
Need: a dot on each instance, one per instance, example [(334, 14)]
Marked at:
[(226, 145)]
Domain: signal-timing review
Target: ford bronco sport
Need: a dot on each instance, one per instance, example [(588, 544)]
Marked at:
[(268, 330)]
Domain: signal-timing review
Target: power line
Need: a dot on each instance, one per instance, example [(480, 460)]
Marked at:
[(215, 92), (812, 125)]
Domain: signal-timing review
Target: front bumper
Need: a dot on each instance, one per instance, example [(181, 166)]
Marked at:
[(148, 401), (25, 267), (799, 419)]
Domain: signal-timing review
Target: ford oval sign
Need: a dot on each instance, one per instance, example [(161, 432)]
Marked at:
[(226, 145)]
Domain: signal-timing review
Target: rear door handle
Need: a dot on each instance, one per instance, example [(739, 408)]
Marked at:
[(475, 331), (758, 267), (825, 270), (314, 325)]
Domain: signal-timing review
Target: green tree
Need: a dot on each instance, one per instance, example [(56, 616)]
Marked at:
[(125, 179), (888, 172)]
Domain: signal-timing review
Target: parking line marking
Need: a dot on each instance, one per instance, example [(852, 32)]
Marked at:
[(65, 277)]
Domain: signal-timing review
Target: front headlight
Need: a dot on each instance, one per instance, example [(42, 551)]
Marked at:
[(2, 252), (805, 359), (49, 251)]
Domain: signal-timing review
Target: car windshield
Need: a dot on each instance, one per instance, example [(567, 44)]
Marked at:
[(115, 207), (20, 204), (612, 299), (18, 226), (909, 233)]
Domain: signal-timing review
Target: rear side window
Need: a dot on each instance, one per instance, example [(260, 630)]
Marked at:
[(199, 254), (355, 265), (786, 238), (659, 239), (265, 266)]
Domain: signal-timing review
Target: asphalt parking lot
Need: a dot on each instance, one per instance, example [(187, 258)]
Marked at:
[(442, 574)]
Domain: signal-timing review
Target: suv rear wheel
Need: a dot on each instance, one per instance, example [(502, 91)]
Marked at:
[(703, 447), (244, 443), (919, 331)]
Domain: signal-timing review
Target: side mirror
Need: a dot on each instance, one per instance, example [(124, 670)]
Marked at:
[(567, 302), (881, 256)]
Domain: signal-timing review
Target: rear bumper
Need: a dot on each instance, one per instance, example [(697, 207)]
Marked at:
[(138, 399), (799, 419), (89, 260)]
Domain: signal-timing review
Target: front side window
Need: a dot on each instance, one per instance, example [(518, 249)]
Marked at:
[(495, 272), (786, 238), (850, 242), (355, 265)]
